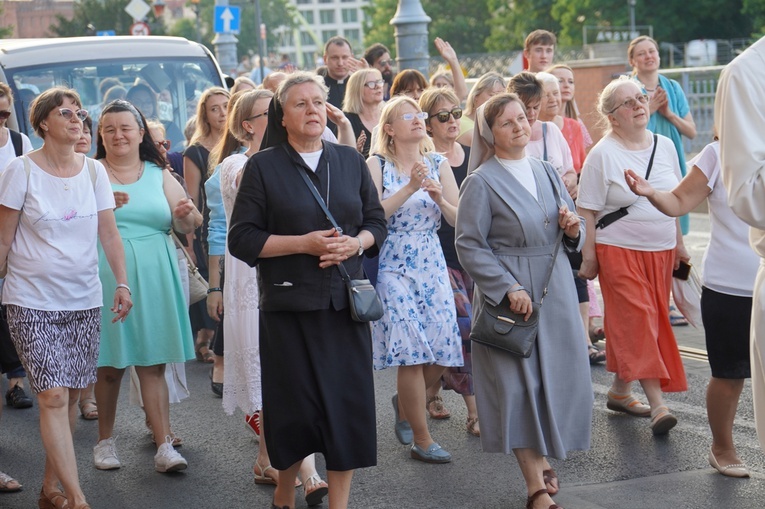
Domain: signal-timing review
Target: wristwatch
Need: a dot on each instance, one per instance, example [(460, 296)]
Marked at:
[(361, 247)]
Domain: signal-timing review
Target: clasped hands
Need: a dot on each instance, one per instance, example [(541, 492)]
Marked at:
[(331, 246), (419, 179), (569, 222)]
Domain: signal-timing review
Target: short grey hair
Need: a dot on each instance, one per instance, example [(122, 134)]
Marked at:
[(298, 78)]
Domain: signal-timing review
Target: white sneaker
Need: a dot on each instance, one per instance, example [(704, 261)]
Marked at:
[(168, 459), (105, 455)]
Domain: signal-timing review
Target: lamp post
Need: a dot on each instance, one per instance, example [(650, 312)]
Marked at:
[(195, 5), (411, 34), (632, 3), (225, 48)]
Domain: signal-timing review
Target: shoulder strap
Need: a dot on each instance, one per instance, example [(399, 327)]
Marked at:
[(18, 143), (343, 272), (92, 171), (28, 171), (653, 153), (544, 140)]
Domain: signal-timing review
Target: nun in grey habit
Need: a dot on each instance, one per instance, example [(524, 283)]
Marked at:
[(508, 221)]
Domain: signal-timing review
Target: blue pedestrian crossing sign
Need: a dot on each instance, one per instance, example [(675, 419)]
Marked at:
[(227, 19)]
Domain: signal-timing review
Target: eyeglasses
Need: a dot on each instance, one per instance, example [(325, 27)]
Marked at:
[(5, 115), (265, 113), (385, 63), (443, 116), (68, 113), (422, 115), (632, 102), (165, 143), (374, 84)]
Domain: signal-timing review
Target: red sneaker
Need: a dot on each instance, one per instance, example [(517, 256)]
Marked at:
[(253, 423)]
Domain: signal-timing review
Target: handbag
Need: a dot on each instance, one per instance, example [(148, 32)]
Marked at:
[(364, 302), (614, 216), (197, 285), (499, 327)]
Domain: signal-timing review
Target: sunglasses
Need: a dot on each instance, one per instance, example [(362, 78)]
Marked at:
[(374, 84), (443, 116), (165, 143), (265, 113), (385, 63), (69, 114), (5, 115), (411, 116)]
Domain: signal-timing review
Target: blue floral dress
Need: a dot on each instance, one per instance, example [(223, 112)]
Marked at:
[(419, 325)]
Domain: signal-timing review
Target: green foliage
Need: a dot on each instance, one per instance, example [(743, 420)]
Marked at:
[(273, 14), (512, 21), (5, 31), (102, 15), (377, 27), (755, 12)]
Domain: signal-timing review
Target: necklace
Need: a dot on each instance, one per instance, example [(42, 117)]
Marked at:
[(57, 172), (140, 172)]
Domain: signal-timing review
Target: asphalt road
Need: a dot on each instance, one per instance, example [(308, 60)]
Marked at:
[(625, 468)]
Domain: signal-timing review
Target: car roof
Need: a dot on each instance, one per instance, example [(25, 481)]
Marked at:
[(29, 52)]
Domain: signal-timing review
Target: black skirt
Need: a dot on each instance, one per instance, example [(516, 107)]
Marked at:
[(318, 389), (726, 321)]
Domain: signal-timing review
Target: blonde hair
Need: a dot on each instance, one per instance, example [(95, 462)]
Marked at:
[(570, 110), (443, 73), (203, 129), (240, 82), (384, 144), (484, 83), (354, 90)]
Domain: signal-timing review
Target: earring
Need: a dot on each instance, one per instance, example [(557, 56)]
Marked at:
[(390, 142)]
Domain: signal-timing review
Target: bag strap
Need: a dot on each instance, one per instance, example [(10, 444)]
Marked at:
[(92, 171), (18, 143), (192, 266), (343, 272), (653, 153), (544, 140)]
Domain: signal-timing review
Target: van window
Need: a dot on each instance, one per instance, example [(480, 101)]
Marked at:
[(167, 90)]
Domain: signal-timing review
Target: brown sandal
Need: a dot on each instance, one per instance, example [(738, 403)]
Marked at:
[(472, 426), (551, 477), (54, 500), (532, 498), (436, 408)]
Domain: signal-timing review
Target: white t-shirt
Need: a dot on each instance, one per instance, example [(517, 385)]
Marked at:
[(312, 158), (603, 189), (558, 152), (8, 154), (729, 235), (53, 261), (521, 169)]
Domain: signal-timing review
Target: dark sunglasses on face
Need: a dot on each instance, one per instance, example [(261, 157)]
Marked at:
[(165, 143), (5, 115), (443, 116), (385, 63), (68, 113)]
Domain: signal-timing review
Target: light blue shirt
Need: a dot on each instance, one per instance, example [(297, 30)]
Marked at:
[(216, 228)]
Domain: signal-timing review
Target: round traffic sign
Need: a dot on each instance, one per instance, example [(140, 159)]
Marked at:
[(139, 28)]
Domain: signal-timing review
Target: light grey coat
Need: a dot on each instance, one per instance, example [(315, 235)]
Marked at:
[(543, 402)]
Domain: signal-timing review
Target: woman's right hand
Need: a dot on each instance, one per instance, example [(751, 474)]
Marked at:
[(638, 184), (520, 302), (417, 175), (120, 198), (215, 305), (589, 268)]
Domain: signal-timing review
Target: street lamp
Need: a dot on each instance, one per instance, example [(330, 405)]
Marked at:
[(159, 8), (195, 5), (632, 3), (411, 34)]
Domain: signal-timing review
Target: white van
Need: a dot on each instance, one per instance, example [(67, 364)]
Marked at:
[(175, 70)]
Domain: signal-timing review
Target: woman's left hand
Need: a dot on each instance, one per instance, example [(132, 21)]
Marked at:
[(569, 222), (445, 50), (122, 304), (681, 255), (183, 209), (434, 189), (342, 248)]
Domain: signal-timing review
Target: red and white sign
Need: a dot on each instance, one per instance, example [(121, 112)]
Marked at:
[(139, 28)]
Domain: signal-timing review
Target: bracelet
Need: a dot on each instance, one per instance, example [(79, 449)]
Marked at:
[(126, 287), (216, 289)]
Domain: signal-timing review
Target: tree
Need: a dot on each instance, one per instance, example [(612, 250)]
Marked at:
[(462, 23), (511, 21), (90, 15), (755, 12), (273, 16)]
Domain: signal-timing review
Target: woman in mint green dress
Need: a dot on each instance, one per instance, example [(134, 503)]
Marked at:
[(159, 333)]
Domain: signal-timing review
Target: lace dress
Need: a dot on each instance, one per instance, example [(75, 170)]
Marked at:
[(241, 376), (420, 323)]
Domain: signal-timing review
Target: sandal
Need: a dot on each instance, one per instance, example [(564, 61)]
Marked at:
[(676, 319), (597, 334), (53, 500), (472, 426), (436, 408), (8, 484), (551, 479), (536, 495), (88, 409), (203, 356), (627, 404), (177, 441), (315, 490), (596, 356), (263, 477), (662, 420)]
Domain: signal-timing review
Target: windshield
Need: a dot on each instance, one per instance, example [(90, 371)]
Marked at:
[(166, 90)]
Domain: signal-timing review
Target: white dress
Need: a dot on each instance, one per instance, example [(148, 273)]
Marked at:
[(241, 375)]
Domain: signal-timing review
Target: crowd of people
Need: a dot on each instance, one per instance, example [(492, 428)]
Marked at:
[(293, 185)]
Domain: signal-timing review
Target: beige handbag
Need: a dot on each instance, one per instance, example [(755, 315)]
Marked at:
[(197, 284)]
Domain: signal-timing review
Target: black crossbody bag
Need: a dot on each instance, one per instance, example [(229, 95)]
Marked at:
[(365, 305), (618, 214)]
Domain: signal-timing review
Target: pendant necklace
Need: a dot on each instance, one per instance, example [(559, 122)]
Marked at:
[(140, 172), (57, 172)]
